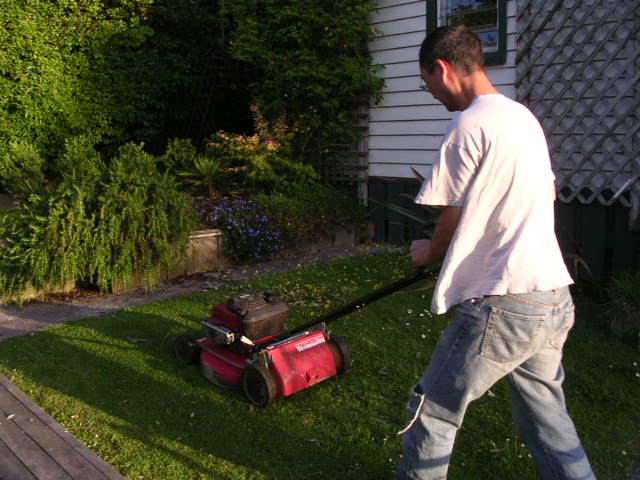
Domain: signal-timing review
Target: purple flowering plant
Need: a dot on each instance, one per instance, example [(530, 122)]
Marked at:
[(249, 234)]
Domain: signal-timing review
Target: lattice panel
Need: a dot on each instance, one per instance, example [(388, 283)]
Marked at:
[(354, 164), (578, 69)]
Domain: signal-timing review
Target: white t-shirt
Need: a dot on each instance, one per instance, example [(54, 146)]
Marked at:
[(494, 162)]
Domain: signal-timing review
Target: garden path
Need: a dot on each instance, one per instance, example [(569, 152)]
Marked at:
[(16, 320)]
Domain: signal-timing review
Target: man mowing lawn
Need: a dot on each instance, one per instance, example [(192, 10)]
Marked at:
[(502, 268)]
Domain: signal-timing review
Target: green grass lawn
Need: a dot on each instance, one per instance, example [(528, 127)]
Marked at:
[(151, 419)]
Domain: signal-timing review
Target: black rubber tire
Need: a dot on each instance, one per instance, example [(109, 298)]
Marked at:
[(259, 385), (186, 349), (341, 354)]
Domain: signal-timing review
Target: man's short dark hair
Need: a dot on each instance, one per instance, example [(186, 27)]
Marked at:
[(454, 43)]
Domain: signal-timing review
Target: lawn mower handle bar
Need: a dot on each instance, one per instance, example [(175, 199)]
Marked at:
[(416, 276)]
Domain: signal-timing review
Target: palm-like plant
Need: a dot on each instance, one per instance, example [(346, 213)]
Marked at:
[(205, 170)]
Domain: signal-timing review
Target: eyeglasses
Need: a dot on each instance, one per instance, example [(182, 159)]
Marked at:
[(423, 87)]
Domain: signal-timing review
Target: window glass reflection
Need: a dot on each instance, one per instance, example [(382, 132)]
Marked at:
[(481, 16)]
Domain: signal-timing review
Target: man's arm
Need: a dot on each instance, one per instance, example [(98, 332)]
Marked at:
[(425, 252)]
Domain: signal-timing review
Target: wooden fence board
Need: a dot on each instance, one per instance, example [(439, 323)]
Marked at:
[(377, 192), (397, 234)]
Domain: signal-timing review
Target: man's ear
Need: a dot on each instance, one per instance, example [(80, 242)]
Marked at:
[(441, 65), (445, 70)]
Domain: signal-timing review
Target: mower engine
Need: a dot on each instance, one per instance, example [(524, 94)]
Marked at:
[(245, 319), (231, 352)]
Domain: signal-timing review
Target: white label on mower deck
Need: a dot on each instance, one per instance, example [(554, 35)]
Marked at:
[(307, 344)]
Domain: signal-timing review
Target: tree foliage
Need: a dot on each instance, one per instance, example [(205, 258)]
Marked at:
[(121, 70), (312, 66), (148, 70)]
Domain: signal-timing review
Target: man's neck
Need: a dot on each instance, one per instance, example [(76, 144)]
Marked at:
[(474, 85)]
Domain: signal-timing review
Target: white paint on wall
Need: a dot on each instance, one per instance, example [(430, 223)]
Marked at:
[(406, 127)]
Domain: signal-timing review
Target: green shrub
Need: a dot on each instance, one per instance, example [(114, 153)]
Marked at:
[(140, 215), (258, 229), (623, 312), (262, 162), (311, 211), (234, 164), (101, 223), (257, 164), (195, 168), (179, 153)]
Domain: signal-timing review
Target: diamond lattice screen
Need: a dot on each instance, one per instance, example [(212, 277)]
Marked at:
[(578, 69)]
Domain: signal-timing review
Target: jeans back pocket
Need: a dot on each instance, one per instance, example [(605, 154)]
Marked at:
[(509, 337)]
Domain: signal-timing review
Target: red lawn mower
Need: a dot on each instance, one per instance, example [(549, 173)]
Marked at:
[(245, 345)]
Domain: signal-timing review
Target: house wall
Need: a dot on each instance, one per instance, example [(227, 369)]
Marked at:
[(406, 128)]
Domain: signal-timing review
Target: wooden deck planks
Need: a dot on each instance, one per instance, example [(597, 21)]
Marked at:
[(11, 467), (33, 446)]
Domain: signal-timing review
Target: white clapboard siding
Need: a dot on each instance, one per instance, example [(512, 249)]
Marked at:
[(406, 126), (405, 142)]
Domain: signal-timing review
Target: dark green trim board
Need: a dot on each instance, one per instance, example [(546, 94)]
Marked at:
[(595, 234), (599, 235), (390, 226), (492, 58)]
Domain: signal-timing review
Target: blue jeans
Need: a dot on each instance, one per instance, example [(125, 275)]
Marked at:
[(519, 337)]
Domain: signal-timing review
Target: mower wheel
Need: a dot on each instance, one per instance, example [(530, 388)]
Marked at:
[(259, 385), (186, 349), (341, 354)]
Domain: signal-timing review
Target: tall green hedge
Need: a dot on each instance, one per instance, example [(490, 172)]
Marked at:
[(72, 67), (121, 70)]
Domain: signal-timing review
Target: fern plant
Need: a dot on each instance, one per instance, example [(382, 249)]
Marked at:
[(46, 242), (141, 215), (21, 169), (101, 223)]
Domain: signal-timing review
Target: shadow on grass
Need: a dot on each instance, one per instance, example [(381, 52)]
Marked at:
[(123, 365), (165, 422)]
